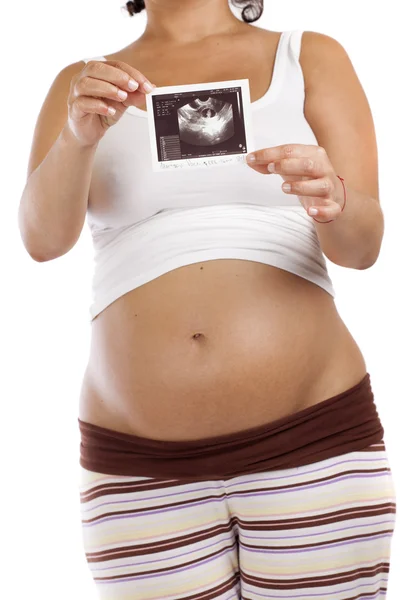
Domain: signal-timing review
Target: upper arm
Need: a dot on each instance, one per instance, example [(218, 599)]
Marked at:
[(338, 112), (52, 116)]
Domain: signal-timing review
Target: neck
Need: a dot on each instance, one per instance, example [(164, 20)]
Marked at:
[(178, 22)]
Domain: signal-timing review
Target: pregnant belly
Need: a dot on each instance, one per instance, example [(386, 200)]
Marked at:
[(214, 348)]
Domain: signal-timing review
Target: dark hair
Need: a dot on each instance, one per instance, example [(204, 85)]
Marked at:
[(251, 9)]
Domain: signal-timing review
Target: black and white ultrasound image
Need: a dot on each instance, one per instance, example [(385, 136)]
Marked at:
[(199, 124)]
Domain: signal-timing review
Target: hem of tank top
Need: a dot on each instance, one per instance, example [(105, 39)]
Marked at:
[(95, 231), (264, 100), (164, 212), (98, 306)]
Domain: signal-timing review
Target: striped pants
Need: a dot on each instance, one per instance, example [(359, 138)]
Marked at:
[(319, 531)]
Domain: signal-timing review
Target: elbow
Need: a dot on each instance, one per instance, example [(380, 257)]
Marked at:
[(374, 252), (45, 256), (372, 257), (30, 248), (38, 258), (36, 246), (368, 261), (34, 254), (40, 255), (368, 264), (352, 262)]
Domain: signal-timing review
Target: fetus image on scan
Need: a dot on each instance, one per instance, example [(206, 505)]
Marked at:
[(205, 121)]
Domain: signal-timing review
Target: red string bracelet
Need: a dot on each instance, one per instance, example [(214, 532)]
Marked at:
[(344, 204)]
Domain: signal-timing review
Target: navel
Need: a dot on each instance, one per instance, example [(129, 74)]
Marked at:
[(196, 336)]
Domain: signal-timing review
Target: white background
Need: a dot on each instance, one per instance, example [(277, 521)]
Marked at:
[(45, 329)]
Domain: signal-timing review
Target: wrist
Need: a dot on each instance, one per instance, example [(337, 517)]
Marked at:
[(67, 136)]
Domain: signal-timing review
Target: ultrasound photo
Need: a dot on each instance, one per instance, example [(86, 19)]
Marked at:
[(200, 125)]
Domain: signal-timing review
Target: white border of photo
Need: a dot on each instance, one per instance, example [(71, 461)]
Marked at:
[(204, 162)]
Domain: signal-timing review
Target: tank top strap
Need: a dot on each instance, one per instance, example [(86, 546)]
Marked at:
[(294, 43), (288, 47), (292, 87), (100, 58)]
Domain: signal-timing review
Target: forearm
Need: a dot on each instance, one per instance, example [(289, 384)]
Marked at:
[(354, 238), (54, 201)]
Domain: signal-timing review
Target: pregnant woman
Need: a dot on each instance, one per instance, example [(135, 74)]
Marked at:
[(230, 442)]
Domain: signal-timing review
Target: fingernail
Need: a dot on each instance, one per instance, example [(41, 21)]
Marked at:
[(313, 211), (251, 158), (147, 87), (133, 85), (271, 167)]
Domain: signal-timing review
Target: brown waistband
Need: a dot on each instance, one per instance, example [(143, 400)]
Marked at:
[(343, 423)]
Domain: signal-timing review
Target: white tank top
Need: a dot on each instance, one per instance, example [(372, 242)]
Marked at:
[(145, 223)]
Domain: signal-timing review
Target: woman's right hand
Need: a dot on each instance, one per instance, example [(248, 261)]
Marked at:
[(93, 97)]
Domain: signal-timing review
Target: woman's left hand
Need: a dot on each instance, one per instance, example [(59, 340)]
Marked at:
[(309, 173)]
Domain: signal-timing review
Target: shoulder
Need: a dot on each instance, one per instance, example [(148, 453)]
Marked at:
[(314, 43), (61, 83), (68, 72), (322, 55), (62, 80), (324, 61)]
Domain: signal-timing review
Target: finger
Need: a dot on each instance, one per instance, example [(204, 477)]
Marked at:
[(135, 99), (260, 168), (298, 166), (89, 86), (119, 73), (321, 187), (87, 104), (106, 72), (330, 210), (274, 153)]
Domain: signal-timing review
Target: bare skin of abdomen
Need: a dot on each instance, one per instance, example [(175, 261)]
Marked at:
[(214, 348)]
